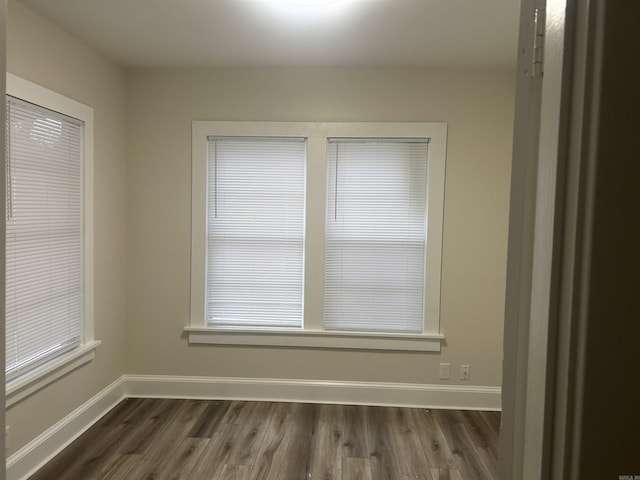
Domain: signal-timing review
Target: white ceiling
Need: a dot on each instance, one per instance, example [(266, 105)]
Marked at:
[(272, 33)]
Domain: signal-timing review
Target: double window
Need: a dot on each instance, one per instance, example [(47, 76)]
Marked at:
[(48, 236), (317, 234)]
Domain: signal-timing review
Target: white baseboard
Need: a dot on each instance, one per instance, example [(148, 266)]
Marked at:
[(40, 450), (315, 391), (43, 448)]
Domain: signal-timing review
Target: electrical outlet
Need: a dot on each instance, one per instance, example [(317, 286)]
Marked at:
[(445, 371), (464, 372)]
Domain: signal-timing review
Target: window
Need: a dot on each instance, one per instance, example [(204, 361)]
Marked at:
[(48, 289), (255, 213), (352, 217), (376, 234)]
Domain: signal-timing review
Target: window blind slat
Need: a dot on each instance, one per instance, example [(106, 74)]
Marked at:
[(375, 237), (43, 236), (255, 247)]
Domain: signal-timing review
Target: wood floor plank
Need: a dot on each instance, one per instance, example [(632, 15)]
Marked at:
[(124, 412), (493, 419), (355, 432), (445, 474), (440, 473), (434, 443), (161, 439), (483, 436), (384, 459), (232, 413), (254, 418), (120, 467), (326, 461), (301, 443), (163, 446), (356, 468), (481, 454), (271, 458), (143, 436), (180, 464), (469, 463), (209, 419), (411, 455), (235, 472), (216, 453)]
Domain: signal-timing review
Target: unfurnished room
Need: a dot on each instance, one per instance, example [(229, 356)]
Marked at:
[(278, 239)]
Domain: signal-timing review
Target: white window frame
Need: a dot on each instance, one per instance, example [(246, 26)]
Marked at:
[(313, 334), (25, 385)]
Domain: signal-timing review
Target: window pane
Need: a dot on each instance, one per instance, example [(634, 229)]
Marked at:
[(255, 232), (43, 236), (376, 230)]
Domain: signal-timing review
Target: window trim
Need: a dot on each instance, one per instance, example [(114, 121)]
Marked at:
[(313, 334), (30, 382)]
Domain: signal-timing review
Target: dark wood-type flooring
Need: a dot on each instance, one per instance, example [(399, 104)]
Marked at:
[(159, 439)]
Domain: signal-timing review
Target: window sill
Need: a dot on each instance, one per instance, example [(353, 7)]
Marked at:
[(23, 386), (316, 339)]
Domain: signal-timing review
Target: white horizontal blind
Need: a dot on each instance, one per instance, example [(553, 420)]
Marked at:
[(376, 230), (255, 231), (43, 236)]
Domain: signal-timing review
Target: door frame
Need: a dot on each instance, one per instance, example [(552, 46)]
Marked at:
[(551, 204)]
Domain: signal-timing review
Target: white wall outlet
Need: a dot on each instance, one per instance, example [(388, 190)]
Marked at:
[(464, 372), (445, 371)]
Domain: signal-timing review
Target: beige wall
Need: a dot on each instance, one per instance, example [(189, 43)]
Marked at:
[(44, 54), (476, 104)]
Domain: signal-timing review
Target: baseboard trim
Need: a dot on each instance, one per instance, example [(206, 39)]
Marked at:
[(315, 391), (43, 448), (39, 451)]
